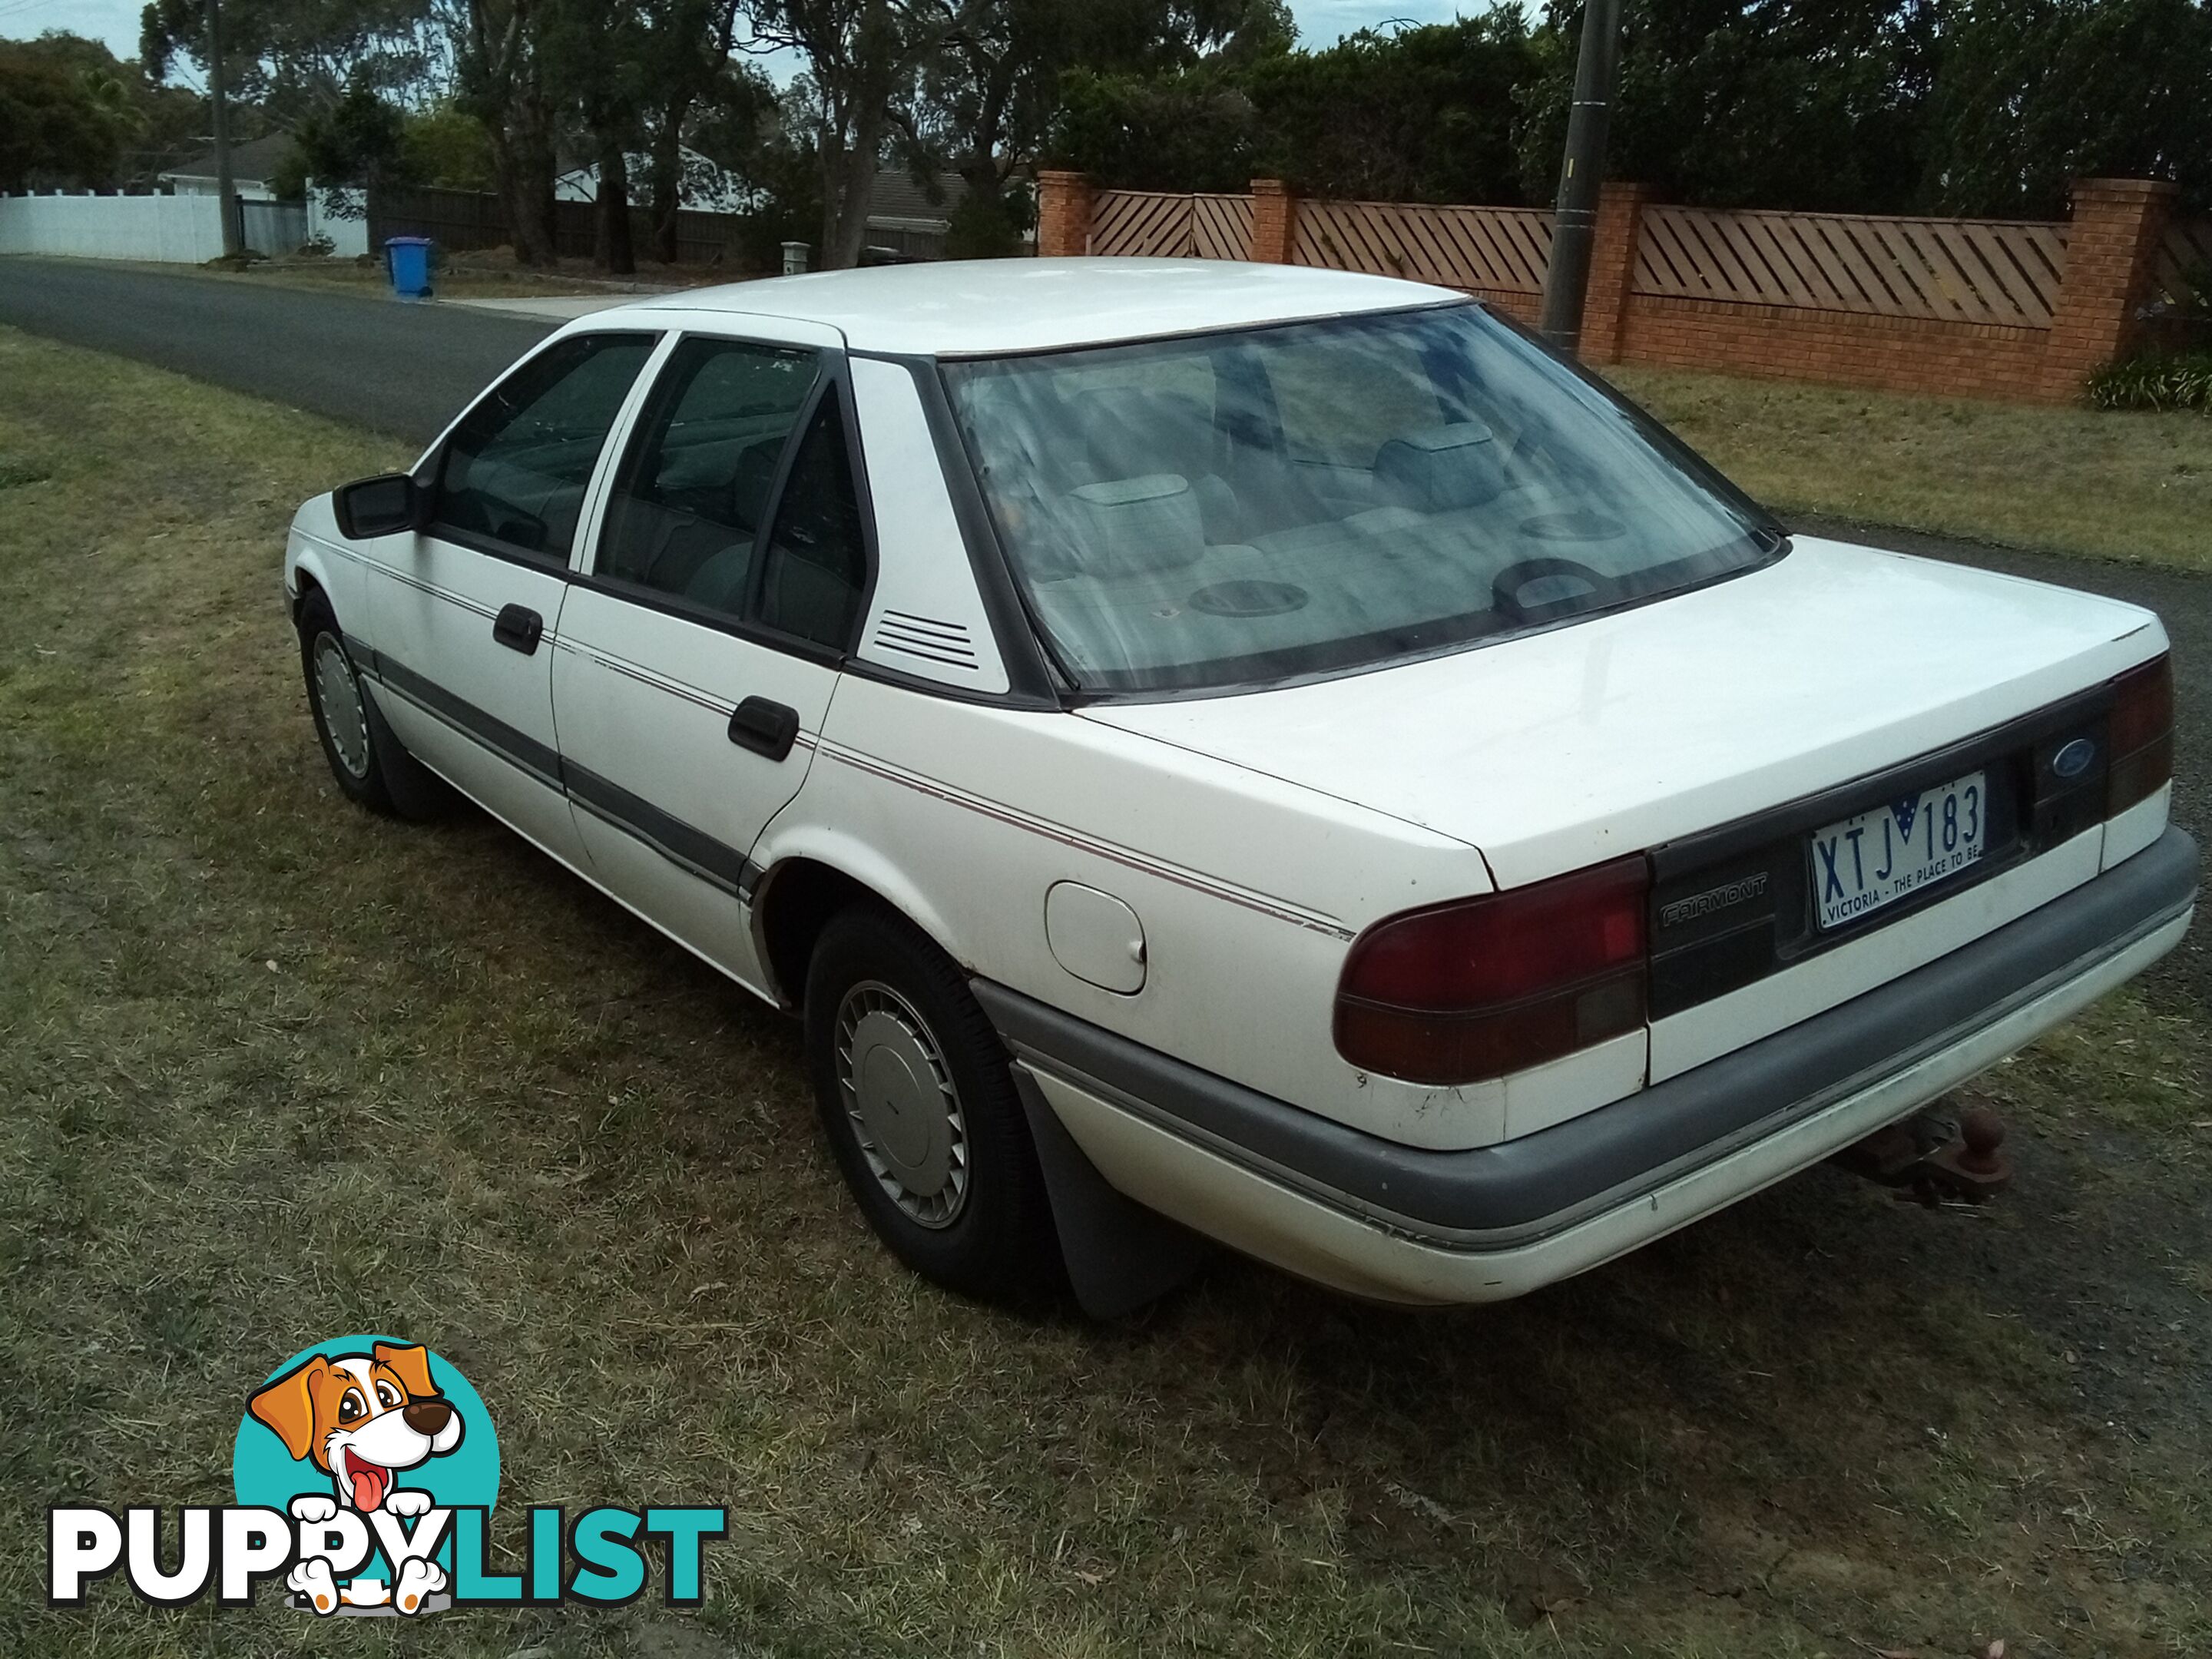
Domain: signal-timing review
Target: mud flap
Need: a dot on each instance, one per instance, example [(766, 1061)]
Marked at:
[(1120, 1254), (416, 792)]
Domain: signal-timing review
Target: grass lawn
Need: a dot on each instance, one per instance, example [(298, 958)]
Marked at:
[(273, 1070), (2115, 486)]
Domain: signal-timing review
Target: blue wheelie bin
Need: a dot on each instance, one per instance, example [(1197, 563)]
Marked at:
[(409, 259)]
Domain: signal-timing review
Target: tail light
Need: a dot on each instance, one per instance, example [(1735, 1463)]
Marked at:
[(1482, 987), (2140, 736)]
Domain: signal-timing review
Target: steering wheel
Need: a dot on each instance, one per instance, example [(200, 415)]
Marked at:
[(1505, 589)]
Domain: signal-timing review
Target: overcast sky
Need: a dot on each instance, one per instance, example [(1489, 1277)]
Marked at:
[(116, 22)]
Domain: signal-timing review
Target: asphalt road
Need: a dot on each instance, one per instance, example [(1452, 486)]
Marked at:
[(407, 369), (401, 369)]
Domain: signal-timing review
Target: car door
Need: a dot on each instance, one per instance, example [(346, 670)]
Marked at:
[(465, 620), (704, 634)]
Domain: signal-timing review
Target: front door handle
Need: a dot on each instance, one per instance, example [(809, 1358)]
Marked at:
[(766, 728), (519, 628)]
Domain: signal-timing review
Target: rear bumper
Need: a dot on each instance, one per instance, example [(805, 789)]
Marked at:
[(1397, 1223)]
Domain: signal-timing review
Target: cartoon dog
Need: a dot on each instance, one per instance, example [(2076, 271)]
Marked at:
[(362, 1419)]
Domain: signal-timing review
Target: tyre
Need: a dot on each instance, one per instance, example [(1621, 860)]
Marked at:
[(365, 758), (920, 1111)]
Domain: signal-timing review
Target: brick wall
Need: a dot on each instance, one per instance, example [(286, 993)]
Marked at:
[(1063, 215), (1892, 353)]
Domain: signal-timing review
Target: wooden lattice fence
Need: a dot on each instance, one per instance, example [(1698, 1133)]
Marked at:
[(1490, 249), (1965, 271), (2185, 262), (1153, 224)]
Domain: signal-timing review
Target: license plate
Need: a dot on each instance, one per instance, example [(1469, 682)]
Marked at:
[(1877, 858)]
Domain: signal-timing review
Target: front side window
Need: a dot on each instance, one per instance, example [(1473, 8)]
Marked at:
[(515, 470), (1319, 496), (686, 510)]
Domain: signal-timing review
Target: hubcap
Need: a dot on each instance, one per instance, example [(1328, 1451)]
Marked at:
[(345, 717), (900, 1098)]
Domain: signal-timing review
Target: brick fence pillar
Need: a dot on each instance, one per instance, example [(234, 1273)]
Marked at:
[(1063, 215), (1611, 269), (1274, 221), (2111, 258)]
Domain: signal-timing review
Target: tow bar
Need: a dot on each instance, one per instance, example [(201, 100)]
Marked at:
[(1949, 1150)]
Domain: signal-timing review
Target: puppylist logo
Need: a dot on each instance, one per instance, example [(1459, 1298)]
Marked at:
[(366, 1469)]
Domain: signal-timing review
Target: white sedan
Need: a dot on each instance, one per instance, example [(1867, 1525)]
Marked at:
[(1265, 748)]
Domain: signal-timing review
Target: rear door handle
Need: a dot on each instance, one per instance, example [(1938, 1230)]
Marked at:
[(765, 728), (519, 628)]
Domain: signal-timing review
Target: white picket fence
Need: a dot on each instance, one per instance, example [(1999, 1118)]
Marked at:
[(171, 230)]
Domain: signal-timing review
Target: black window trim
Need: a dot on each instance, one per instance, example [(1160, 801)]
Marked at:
[(431, 470)]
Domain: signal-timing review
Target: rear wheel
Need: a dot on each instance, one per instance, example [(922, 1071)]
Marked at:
[(365, 758), (920, 1111)]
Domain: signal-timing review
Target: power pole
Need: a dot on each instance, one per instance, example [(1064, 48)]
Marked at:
[(1596, 61), (219, 97)]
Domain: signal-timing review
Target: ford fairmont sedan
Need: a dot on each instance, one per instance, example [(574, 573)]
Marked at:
[(1268, 748)]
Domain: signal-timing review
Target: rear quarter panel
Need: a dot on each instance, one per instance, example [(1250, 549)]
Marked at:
[(1250, 890)]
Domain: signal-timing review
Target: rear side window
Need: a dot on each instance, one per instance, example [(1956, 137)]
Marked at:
[(685, 515), (817, 560), (515, 470)]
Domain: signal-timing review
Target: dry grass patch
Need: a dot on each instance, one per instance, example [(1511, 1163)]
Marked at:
[(271, 1069), (2135, 487)]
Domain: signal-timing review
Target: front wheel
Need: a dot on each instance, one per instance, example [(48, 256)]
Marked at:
[(365, 758), (920, 1109)]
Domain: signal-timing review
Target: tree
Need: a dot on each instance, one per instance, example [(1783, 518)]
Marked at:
[(1192, 130), (293, 58), (500, 69), (592, 53), (60, 128), (687, 72), (1426, 114), (152, 126), (1807, 104), (358, 142), (2031, 93), (863, 60), (446, 147)]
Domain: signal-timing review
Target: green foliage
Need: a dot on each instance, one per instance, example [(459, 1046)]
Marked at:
[(1425, 115), (982, 226), (293, 57), (359, 141), (2156, 380), (1805, 104), (2031, 93), (62, 127), (446, 147), (1983, 107), (1192, 130)]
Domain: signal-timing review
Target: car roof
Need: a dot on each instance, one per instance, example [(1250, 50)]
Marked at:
[(989, 307)]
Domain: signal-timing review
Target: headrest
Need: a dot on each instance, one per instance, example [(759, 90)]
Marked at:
[(1121, 526), (1127, 428), (1440, 468)]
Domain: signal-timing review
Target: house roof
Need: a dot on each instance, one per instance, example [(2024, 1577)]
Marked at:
[(894, 195), (990, 307), (258, 158)]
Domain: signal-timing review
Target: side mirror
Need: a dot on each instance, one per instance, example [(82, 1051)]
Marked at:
[(380, 507)]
